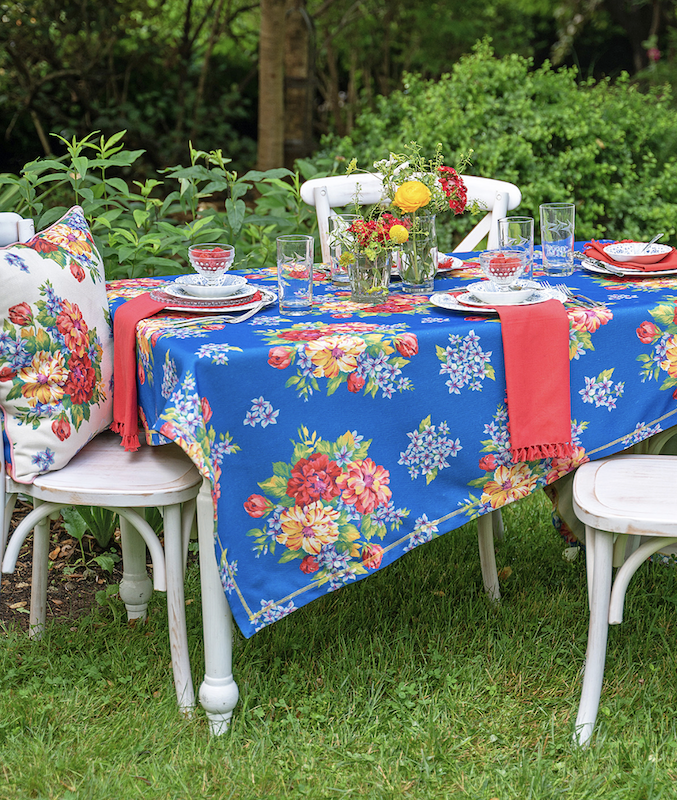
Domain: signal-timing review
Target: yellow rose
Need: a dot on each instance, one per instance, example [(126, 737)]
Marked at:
[(411, 196), (398, 234)]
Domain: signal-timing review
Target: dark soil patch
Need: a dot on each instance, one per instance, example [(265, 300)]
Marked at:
[(73, 582)]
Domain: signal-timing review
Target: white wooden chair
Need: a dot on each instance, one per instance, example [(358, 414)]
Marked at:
[(14, 228), (618, 499), (103, 474), (494, 197)]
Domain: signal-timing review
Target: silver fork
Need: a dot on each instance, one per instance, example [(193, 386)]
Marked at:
[(578, 298)]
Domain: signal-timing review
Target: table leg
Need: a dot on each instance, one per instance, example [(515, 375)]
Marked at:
[(218, 693), (485, 540)]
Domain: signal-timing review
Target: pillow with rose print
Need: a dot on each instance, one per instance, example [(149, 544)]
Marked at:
[(56, 347)]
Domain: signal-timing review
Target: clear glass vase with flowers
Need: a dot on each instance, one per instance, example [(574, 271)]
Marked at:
[(420, 189), (367, 250)]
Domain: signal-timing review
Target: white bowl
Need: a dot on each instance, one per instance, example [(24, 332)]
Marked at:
[(630, 251), (488, 293), (194, 285)]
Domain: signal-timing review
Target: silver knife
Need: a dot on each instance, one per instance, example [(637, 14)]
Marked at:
[(596, 262)]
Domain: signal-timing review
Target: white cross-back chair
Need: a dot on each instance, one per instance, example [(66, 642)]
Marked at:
[(14, 228), (103, 474), (495, 199), (619, 499)]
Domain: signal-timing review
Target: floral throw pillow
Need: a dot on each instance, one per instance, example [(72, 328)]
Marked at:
[(56, 347)]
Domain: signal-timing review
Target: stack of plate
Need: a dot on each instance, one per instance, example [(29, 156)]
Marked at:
[(191, 293)]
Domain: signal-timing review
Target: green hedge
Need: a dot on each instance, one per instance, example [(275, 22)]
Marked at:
[(605, 146)]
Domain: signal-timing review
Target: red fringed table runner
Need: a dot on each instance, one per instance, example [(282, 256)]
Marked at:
[(536, 353), (125, 403)]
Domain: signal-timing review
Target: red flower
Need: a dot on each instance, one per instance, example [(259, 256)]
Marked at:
[(206, 409), (42, 245), (21, 314), (372, 555), (355, 382), (303, 335), (648, 332), (488, 463), (257, 506), (313, 478), (77, 271), (407, 344), (280, 357), (309, 564), (376, 230), (7, 374), (81, 380), (62, 429), (454, 188)]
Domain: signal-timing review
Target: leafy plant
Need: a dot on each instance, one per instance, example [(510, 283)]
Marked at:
[(606, 146), (101, 524), (145, 228)]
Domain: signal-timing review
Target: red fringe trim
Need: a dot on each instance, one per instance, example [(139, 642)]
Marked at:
[(538, 451), (130, 441)]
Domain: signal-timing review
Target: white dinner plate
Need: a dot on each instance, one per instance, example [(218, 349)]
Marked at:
[(194, 286), (244, 290), (626, 272), (195, 305), (463, 303)]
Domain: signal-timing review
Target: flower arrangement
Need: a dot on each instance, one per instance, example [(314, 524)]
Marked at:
[(380, 234), (415, 184)]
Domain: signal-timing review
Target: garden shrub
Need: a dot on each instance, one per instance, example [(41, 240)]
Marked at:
[(606, 146)]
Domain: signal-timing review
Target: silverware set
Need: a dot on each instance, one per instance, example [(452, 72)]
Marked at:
[(216, 318)]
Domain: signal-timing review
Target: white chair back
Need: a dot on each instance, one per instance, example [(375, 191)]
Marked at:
[(494, 197), (14, 228)]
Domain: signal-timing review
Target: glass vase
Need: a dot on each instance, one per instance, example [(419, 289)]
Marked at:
[(418, 256), (369, 278)]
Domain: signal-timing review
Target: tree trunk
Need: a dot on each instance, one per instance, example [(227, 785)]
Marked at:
[(270, 151), (298, 83)]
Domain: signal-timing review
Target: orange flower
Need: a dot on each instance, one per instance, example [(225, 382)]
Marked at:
[(308, 527), (411, 196), (508, 484), (365, 485), (44, 379), (335, 354)]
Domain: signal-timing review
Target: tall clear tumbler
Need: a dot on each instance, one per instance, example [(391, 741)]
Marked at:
[(517, 233), (295, 274), (341, 246), (557, 238)]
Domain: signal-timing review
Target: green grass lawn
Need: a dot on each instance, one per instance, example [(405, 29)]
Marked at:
[(407, 685)]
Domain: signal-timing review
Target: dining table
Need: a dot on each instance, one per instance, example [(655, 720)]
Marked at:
[(335, 442)]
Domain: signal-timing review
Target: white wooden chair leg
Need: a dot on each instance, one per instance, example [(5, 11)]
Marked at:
[(136, 586), (485, 540), (590, 542), (625, 573), (218, 693), (40, 568), (176, 609), (497, 524), (597, 638), (10, 503), (187, 526)]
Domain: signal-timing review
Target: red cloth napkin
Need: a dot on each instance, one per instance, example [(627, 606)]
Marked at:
[(125, 404), (536, 353), (596, 250)]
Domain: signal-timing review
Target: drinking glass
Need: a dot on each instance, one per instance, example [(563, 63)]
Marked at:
[(341, 249), (503, 267), (295, 274), (517, 233), (557, 238), (211, 261)]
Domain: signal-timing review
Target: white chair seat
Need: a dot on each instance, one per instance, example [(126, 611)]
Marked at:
[(103, 474), (616, 498)]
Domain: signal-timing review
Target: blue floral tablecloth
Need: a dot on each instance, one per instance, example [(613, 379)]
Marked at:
[(338, 441)]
